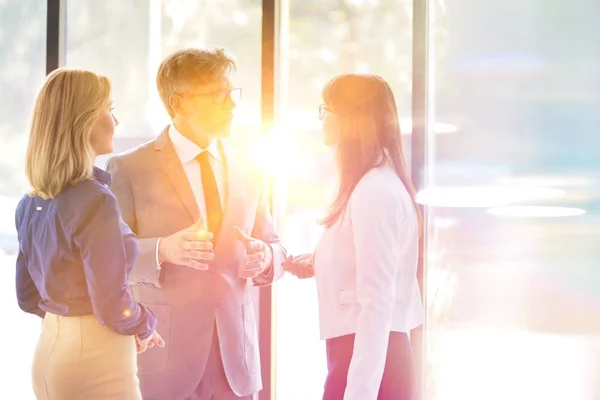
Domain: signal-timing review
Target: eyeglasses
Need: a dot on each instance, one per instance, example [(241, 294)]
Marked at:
[(322, 111), (219, 96)]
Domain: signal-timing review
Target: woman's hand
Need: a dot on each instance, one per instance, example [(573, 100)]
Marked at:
[(300, 266), (150, 341)]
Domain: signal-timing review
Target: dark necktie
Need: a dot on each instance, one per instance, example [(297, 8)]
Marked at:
[(214, 214)]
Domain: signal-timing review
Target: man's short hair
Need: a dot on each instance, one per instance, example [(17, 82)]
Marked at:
[(190, 67)]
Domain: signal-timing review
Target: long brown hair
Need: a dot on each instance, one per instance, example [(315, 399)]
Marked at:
[(59, 152), (367, 116)]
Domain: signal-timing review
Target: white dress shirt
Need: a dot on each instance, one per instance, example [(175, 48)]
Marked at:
[(187, 151), (366, 274)]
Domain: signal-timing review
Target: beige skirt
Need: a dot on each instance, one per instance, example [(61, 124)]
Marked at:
[(77, 358)]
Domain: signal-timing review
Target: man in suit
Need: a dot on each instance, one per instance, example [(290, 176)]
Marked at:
[(201, 213)]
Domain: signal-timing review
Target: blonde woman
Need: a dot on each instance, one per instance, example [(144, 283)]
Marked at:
[(75, 251), (365, 264)]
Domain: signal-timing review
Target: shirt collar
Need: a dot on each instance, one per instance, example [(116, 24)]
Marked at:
[(188, 150), (102, 176)]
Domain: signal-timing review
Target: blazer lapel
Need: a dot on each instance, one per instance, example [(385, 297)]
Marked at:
[(174, 171), (232, 194)]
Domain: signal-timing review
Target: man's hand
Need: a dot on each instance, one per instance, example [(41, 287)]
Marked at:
[(259, 255), (188, 247), (301, 266)]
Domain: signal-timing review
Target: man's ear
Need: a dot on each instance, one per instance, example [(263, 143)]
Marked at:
[(176, 104)]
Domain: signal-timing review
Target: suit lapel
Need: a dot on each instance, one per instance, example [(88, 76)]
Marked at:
[(232, 193), (174, 171)]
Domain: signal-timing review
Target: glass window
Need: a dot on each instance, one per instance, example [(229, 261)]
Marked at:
[(22, 71), (321, 39), (127, 40), (512, 271)]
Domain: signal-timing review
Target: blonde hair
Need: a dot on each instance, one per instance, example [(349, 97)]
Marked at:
[(186, 68), (59, 151), (370, 135)]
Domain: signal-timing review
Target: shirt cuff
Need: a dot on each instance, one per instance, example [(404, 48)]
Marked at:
[(157, 261)]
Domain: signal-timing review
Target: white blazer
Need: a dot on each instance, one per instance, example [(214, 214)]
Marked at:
[(366, 274)]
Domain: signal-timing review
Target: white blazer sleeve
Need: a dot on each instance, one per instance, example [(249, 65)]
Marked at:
[(376, 218)]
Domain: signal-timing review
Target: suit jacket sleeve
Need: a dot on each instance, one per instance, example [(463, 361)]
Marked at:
[(146, 270), (376, 222), (264, 230)]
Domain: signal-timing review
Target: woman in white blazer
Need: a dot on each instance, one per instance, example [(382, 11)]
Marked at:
[(365, 264)]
